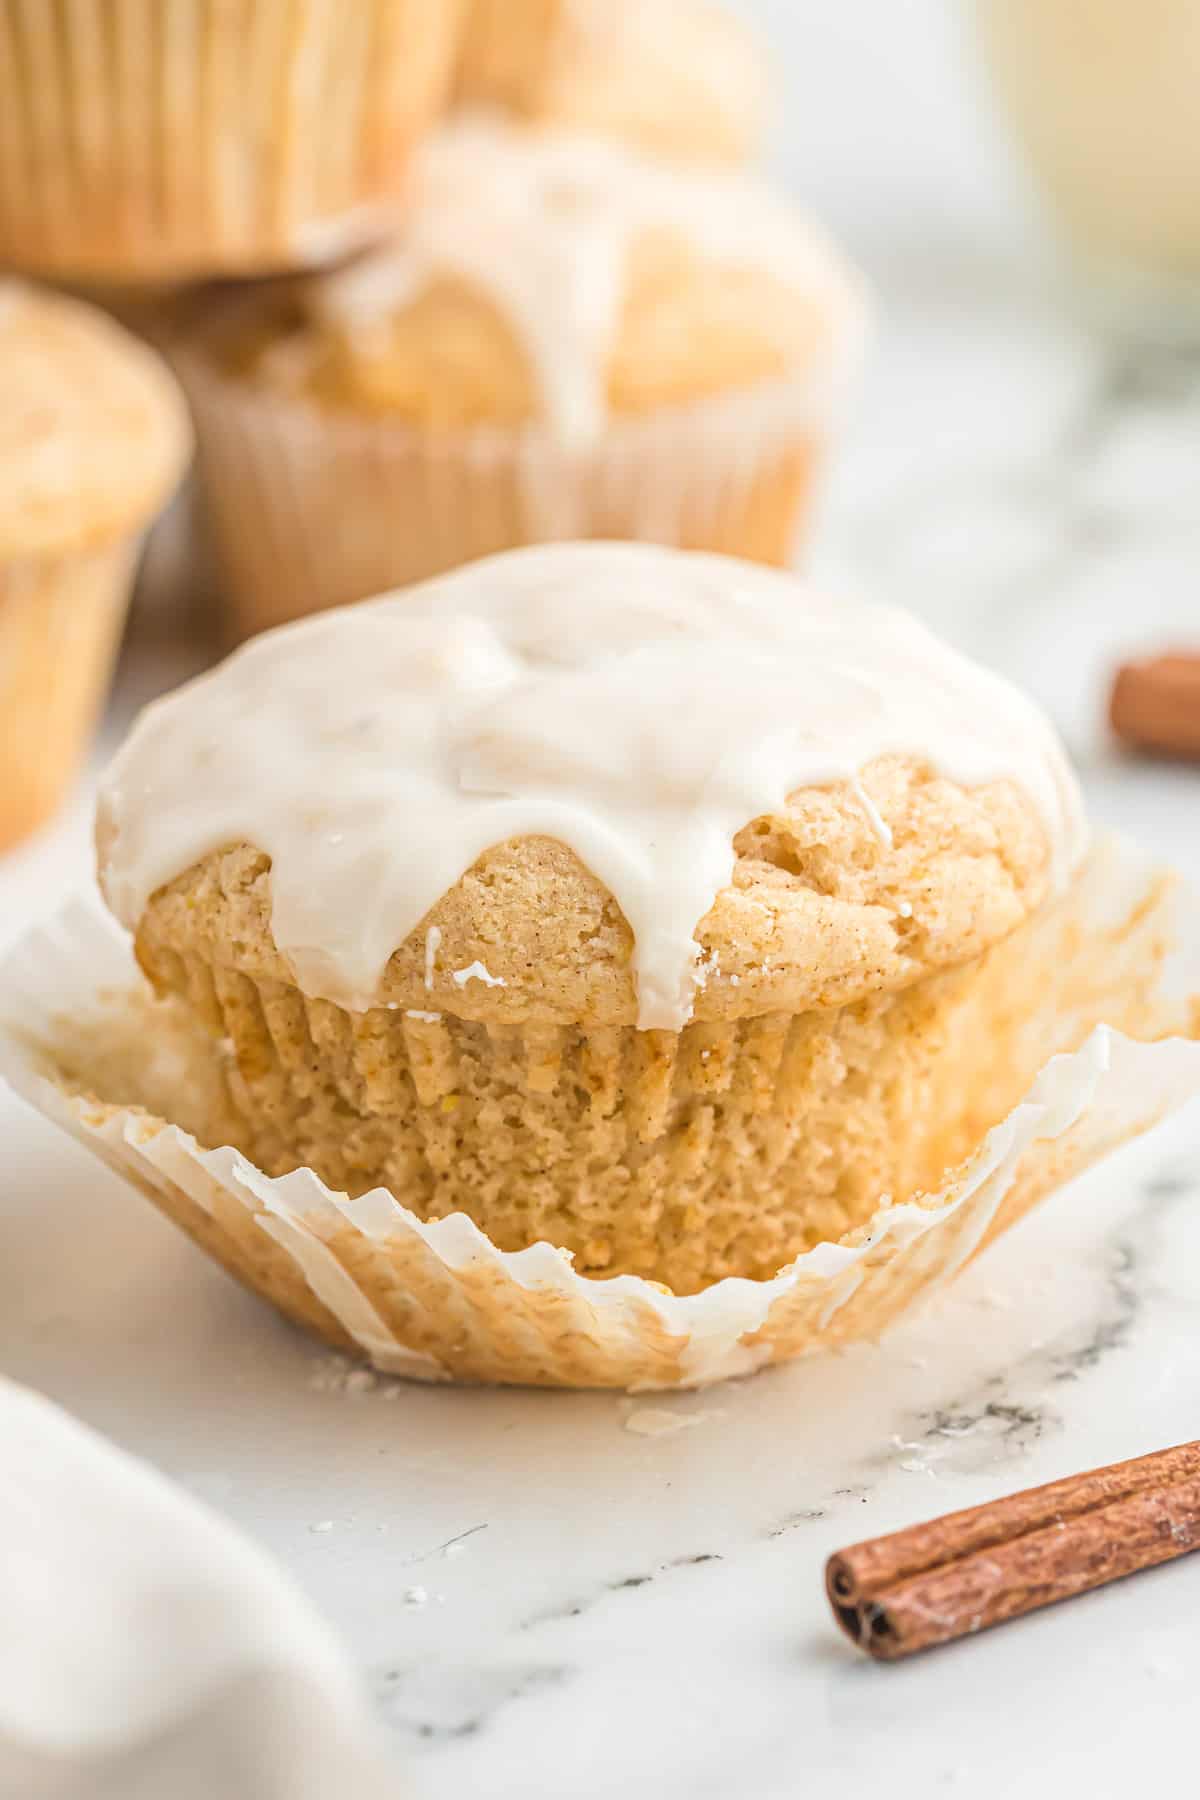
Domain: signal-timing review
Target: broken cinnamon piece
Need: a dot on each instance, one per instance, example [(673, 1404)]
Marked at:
[(960, 1574), (1155, 704)]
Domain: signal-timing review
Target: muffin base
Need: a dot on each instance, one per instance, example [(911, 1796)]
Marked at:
[(725, 1149), (312, 509), (80, 1038), (60, 626)]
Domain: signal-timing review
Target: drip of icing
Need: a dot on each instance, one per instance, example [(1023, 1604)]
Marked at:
[(477, 971), (878, 824), (541, 224), (433, 943), (641, 705)]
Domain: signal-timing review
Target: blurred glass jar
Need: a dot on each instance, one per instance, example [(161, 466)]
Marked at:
[(1105, 98)]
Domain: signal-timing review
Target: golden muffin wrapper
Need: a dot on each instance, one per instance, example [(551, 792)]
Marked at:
[(312, 508), (438, 1301), (212, 136)]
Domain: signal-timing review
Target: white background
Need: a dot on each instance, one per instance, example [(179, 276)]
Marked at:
[(886, 125)]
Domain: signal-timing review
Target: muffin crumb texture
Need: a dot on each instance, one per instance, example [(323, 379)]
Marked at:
[(836, 1034)]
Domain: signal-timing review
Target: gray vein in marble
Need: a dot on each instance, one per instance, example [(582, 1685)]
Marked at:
[(435, 1703), (578, 1606), (444, 1548), (1004, 1414)]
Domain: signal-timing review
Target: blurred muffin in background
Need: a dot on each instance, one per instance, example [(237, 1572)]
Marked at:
[(144, 143), (570, 340), (93, 438), (176, 597), (679, 77)]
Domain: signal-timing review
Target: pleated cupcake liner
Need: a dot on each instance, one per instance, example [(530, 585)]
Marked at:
[(678, 1156), (60, 626), (439, 1301), (313, 508), (204, 137)]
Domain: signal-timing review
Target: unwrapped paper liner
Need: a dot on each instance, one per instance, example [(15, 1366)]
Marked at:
[(438, 1301)]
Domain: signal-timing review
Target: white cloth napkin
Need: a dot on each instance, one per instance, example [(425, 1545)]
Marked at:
[(147, 1650)]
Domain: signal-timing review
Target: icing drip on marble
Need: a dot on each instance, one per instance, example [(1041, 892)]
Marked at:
[(542, 223), (641, 705)]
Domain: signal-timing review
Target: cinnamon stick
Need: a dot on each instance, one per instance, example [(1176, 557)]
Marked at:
[(970, 1570), (1155, 704)]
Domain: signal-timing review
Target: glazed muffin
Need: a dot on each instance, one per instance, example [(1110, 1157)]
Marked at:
[(168, 142), (679, 77), (642, 903), (570, 341), (93, 439)]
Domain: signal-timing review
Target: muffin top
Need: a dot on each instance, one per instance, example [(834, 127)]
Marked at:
[(591, 782), (93, 430), (680, 77), (558, 278)]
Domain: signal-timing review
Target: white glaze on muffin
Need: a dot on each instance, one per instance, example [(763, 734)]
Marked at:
[(637, 708)]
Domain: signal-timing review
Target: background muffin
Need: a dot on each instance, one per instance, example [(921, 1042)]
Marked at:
[(676, 76), (145, 143), (567, 341), (93, 438), (426, 991), (176, 597)]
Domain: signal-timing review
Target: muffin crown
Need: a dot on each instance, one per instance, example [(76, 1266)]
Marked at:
[(644, 66), (574, 758), (560, 236), (682, 77), (93, 430)]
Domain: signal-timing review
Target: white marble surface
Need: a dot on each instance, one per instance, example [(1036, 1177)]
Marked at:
[(544, 1602)]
